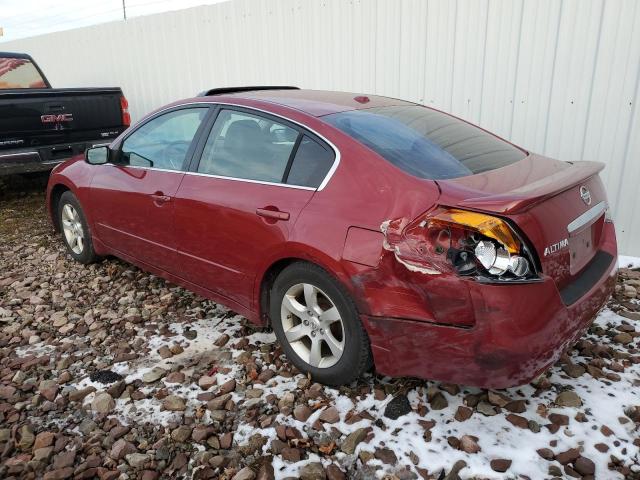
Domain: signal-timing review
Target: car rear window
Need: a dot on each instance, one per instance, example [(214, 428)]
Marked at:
[(19, 73), (424, 142), (311, 163)]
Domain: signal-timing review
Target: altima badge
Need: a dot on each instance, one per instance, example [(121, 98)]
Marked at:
[(556, 246), (585, 194)]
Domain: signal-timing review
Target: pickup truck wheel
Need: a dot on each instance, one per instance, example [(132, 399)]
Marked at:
[(317, 324), (74, 228)]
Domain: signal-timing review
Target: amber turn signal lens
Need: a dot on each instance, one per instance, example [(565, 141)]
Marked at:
[(491, 227)]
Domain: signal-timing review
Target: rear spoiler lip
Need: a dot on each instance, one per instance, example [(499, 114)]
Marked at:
[(527, 196)]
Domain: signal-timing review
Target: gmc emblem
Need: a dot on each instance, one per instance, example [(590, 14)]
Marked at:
[(63, 117)]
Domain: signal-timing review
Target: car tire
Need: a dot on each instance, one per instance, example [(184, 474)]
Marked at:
[(74, 229), (330, 326)]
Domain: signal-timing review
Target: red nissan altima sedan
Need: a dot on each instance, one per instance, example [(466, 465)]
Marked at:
[(367, 231)]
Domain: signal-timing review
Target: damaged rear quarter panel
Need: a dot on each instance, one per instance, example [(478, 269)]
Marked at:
[(398, 280)]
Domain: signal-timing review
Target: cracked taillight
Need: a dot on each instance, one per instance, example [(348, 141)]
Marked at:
[(454, 240), (481, 244)]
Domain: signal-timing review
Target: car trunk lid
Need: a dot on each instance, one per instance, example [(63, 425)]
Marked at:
[(559, 206)]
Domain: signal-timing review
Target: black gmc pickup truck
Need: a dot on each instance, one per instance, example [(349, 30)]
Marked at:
[(42, 126)]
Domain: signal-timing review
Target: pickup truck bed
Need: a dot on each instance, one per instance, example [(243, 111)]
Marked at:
[(41, 127)]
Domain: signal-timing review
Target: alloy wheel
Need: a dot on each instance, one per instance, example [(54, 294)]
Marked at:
[(312, 325), (72, 228)]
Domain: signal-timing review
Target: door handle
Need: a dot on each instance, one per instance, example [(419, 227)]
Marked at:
[(160, 198), (273, 213)]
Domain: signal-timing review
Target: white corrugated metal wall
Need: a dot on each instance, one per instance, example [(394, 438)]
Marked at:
[(559, 77)]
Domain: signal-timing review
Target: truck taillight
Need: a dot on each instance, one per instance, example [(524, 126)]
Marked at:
[(124, 108)]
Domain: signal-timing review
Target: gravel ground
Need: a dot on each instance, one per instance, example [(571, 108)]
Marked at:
[(108, 372)]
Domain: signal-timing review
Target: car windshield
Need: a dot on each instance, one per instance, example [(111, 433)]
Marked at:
[(426, 143), (19, 73)]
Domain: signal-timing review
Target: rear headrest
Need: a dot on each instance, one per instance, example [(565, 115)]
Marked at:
[(242, 131)]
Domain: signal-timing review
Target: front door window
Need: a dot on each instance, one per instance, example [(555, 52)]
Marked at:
[(163, 142)]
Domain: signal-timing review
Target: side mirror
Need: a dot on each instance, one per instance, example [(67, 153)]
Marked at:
[(97, 155)]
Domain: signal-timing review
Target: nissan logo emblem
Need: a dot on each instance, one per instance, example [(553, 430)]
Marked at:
[(585, 195)]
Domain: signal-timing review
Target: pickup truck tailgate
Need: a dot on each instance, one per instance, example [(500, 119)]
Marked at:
[(44, 117)]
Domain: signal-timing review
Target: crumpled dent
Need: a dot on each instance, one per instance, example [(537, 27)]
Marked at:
[(409, 246)]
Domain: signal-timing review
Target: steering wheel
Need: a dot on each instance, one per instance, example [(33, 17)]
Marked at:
[(175, 149)]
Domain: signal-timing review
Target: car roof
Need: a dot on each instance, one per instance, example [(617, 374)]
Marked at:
[(15, 55), (318, 102)]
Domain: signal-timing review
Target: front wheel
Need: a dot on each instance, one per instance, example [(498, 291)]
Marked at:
[(317, 324), (75, 231)]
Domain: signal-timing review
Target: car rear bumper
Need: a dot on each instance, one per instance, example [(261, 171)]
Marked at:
[(519, 332), (42, 158)]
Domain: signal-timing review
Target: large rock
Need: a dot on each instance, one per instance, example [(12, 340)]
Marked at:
[(25, 437), (623, 338), (573, 370), (569, 456), (44, 439), (334, 473), (545, 453), (500, 465), (463, 413), (181, 434), (469, 444), (121, 448), (302, 413), (245, 474), (397, 407), (103, 403), (286, 401), (219, 402), (174, 403), (568, 399), (137, 460), (350, 443), (58, 319), (517, 420), (330, 415), (48, 389), (438, 402), (584, 466), (630, 315), (312, 471), (487, 409), (79, 395), (206, 382), (386, 455), (290, 454), (153, 375), (497, 399), (227, 387), (42, 454), (7, 391), (64, 459)]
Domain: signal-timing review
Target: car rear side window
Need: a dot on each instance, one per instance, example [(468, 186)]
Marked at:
[(426, 143), (246, 146), (311, 163), (19, 73), (163, 142)]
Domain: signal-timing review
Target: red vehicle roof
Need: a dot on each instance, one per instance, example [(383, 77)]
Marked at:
[(320, 102)]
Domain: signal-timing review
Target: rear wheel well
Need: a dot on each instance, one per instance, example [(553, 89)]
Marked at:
[(267, 282), (270, 276), (56, 193)]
